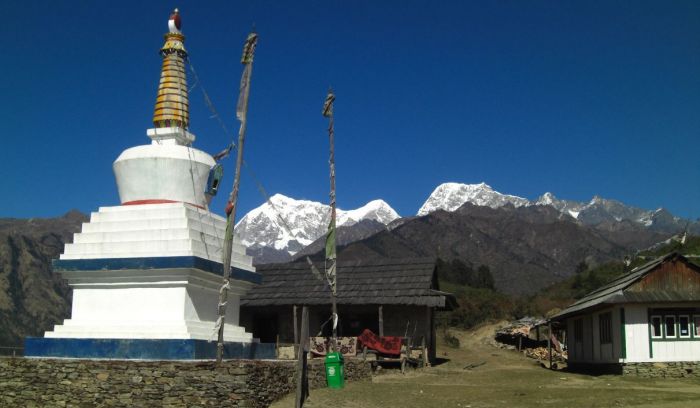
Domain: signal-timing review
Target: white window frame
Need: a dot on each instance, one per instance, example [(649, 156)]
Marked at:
[(675, 328), (660, 335), (690, 327)]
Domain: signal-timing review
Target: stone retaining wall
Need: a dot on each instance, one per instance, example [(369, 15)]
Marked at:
[(26, 382), (669, 370)]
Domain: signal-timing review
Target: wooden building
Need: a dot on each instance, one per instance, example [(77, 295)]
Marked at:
[(391, 297), (650, 315)]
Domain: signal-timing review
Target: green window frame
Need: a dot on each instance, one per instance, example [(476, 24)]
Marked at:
[(656, 327)]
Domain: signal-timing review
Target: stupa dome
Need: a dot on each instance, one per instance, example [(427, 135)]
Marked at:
[(169, 169)]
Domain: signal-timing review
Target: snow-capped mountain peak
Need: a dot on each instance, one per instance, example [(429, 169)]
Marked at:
[(546, 199), (288, 224), (572, 208), (377, 210), (451, 196), (597, 200)]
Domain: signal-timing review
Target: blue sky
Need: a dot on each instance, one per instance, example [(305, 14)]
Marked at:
[(574, 97)]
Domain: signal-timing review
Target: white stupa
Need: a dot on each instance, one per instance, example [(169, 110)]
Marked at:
[(150, 268)]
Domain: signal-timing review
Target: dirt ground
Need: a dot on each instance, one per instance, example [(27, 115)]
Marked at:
[(505, 379)]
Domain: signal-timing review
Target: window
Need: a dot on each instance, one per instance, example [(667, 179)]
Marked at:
[(681, 324), (605, 326), (670, 326), (578, 330), (656, 327), (684, 326)]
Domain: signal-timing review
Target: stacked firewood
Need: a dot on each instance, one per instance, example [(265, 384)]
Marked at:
[(541, 353)]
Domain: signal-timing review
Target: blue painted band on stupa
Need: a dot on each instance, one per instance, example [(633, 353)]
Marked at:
[(163, 262), (143, 349)]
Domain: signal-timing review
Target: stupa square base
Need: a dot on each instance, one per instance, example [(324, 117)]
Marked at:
[(150, 298), (143, 349)]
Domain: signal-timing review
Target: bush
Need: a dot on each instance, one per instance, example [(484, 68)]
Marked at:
[(450, 340), (476, 305)]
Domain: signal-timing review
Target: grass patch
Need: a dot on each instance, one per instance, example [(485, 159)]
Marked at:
[(506, 379)]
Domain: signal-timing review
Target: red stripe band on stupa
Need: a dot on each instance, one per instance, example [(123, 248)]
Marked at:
[(158, 201)]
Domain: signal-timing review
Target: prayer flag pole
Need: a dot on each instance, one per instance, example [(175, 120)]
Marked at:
[(330, 263), (241, 113)]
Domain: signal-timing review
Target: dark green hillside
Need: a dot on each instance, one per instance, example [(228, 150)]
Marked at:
[(478, 303), (32, 297)]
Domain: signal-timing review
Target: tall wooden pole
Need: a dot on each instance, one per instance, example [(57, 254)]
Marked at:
[(331, 269), (302, 392), (333, 266), (242, 111)]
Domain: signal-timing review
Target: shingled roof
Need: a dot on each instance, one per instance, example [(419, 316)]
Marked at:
[(616, 291), (383, 282)]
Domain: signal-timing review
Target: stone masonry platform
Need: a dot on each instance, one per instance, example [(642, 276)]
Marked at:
[(28, 382)]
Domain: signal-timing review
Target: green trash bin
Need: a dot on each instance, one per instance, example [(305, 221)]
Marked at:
[(335, 375)]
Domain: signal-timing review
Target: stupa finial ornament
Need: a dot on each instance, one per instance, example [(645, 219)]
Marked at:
[(172, 102), (174, 23)]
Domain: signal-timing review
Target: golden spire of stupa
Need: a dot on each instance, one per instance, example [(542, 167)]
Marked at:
[(172, 104)]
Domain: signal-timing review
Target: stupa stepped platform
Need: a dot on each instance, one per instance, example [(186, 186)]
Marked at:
[(154, 230), (192, 330), (151, 272)]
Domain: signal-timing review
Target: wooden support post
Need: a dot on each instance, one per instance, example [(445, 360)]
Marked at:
[(563, 337), (520, 343), (381, 321), (430, 330), (296, 333), (549, 343), (537, 329), (302, 375)]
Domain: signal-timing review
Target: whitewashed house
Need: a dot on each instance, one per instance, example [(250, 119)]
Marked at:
[(646, 322)]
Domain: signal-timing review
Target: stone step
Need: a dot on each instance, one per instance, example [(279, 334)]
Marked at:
[(182, 247), (111, 330)]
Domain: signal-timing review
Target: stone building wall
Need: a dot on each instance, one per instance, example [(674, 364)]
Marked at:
[(667, 370), (28, 382)]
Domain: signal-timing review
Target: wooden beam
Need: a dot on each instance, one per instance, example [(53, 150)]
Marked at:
[(549, 343), (296, 332), (302, 376), (430, 329), (381, 321)]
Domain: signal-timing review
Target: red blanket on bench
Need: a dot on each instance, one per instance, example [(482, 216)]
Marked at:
[(386, 345)]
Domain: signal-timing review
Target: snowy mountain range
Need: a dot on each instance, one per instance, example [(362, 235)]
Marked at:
[(451, 196), (598, 211), (283, 226), (289, 225)]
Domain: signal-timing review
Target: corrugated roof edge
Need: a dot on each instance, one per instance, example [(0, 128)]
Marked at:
[(352, 263), (612, 292), (415, 283)]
